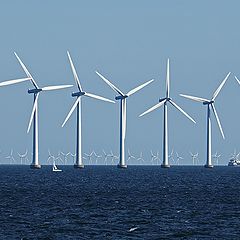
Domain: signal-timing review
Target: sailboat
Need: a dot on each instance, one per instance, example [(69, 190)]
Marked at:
[(55, 169)]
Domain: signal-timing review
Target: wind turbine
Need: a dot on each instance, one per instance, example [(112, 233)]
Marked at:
[(23, 156), (96, 157), (163, 102), (216, 156), (210, 107), (194, 158), (140, 158), (105, 157), (179, 158), (77, 104), (130, 156), (123, 114), (10, 157), (50, 157), (34, 115)]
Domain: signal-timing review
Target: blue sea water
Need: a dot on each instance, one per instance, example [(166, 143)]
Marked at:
[(103, 202)]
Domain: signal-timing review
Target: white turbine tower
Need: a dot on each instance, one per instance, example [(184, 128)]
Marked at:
[(210, 107), (163, 102), (77, 104), (34, 115), (123, 114)]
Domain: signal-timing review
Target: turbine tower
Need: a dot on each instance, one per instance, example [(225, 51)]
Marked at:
[(123, 114), (163, 102), (210, 107), (34, 115), (77, 104)]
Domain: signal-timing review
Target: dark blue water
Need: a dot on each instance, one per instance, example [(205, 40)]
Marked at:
[(106, 202)]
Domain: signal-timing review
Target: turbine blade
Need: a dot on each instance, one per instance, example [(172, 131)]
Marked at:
[(138, 88), (74, 72), (49, 88), (9, 82), (33, 111), (110, 84), (124, 117), (153, 108), (220, 87), (237, 80), (218, 121), (71, 111), (26, 71), (197, 99), (181, 110), (168, 80), (98, 97)]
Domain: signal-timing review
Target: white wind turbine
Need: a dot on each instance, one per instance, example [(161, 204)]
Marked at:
[(77, 104), (123, 114), (23, 156), (210, 107), (179, 158), (216, 156), (163, 102), (11, 158), (130, 156), (194, 158), (34, 115)]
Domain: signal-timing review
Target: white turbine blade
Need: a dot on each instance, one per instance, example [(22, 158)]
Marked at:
[(218, 121), (168, 80), (180, 109), (9, 82), (71, 111), (110, 84), (237, 80), (220, 87), (49, 88), (124, 116), (98, 97), (197, 99), (153, 108), (74, 72), (138, 88), (33, 111), (26, 71)]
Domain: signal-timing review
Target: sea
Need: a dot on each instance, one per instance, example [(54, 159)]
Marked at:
[(104, 202)]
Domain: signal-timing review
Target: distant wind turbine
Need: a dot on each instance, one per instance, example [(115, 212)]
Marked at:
[(23, 156), (123, 114), (179, 158), (194, 158), (210, 107), (77, 104), (163, 102), (34, 115)]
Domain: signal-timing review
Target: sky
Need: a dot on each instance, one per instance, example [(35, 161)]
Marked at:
[(129, 43)]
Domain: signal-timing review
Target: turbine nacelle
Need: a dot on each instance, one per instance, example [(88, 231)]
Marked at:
[(121, 97), (164, 99), (78, 94), (35, 90), (208, 102)]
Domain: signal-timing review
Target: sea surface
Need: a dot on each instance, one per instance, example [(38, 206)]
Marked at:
[(103, 202)]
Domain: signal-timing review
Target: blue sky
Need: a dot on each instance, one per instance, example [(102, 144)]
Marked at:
[(128, 42)]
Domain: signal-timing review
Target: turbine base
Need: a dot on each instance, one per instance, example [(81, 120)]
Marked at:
[(208, 166), (122, 166), (78, 166), (35, 166), (165, 166)]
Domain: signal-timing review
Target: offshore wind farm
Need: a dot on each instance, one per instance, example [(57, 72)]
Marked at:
[(99, 138)]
